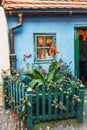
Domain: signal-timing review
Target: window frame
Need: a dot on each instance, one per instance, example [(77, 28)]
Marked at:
[(35, 35)]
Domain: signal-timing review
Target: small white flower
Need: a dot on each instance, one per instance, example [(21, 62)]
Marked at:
[(48, 128)]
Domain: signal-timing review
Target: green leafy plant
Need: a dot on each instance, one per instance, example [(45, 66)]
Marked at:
[(58, 74), (38, 76), (59, 105)]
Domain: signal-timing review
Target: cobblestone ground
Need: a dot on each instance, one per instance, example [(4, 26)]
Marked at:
[(7, 122)]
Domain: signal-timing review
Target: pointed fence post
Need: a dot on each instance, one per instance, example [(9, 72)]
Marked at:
[(5, 93), (29, 110), (80, 105)]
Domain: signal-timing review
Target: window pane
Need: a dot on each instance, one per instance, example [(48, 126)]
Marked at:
[(40, 41), (49, 40), (40, 53), (48, 56), (40, 45)]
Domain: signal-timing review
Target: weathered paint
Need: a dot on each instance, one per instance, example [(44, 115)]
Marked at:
[(63, 26), (4, 49)]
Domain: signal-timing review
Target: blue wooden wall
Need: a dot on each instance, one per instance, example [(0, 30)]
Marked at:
[(63, 26)]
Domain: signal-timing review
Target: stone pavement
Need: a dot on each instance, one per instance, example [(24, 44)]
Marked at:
[(7, 122)]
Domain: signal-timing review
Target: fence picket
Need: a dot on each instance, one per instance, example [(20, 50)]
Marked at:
[(20, 87), (79, 114), (14, 105), (72, 105), (5, 91), (11, 86), (22, 94), (17, 84), (61, 100), (49, 103), (29, 111), (37, 103), (67, 103), (43, 103), (55, 97)]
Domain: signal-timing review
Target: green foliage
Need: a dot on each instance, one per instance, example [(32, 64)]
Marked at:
[(58, 76), (76, 98), (38, 76), (59, 105)]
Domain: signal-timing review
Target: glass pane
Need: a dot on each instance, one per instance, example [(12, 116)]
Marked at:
[(48, 55), (49, 40), (40, 53), (40, 41)]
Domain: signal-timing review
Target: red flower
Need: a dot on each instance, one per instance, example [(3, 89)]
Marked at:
[(14, 115), (26, 56), (53, 50), (62, 66), (40, 56), (25, 115), (44, 71)]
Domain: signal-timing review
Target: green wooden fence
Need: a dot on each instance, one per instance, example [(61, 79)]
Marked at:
[(45, 103)]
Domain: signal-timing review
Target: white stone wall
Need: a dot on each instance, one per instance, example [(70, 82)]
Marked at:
[(4, 49)]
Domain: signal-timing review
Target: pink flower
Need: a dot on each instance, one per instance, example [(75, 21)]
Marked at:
[(2, 70), (62, 66), (14, 115), (26, 56), (44, 71)]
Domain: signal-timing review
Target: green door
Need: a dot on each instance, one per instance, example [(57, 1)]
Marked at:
[(76, 51)]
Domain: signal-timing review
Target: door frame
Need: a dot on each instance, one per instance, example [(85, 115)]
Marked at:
[(76, 48)]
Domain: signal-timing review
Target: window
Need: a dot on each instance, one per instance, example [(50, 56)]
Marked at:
[(43, 44)]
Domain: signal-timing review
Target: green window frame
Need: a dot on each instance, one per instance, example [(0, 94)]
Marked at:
[(42, 44)]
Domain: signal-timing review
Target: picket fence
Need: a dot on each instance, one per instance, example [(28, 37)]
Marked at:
[(45, 103)]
